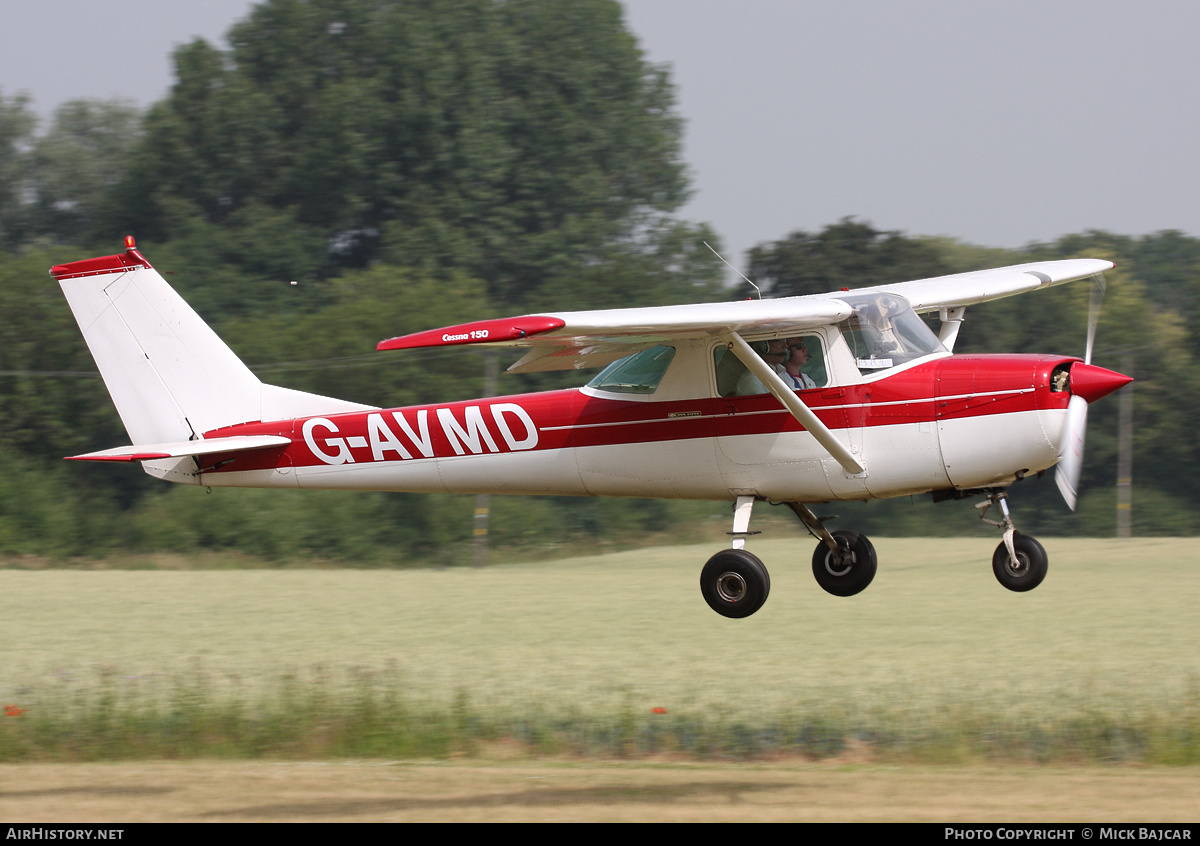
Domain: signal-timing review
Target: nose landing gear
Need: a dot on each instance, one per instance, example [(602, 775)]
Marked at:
[(1019, 562)]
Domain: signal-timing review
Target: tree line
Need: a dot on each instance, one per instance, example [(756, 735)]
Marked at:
[(412, 165)]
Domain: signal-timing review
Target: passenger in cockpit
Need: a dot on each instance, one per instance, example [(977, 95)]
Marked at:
[(774, 356)]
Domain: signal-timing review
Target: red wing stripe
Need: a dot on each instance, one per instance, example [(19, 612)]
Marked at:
[(479, 332)]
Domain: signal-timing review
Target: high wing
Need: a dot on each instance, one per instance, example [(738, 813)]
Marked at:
[(980, 286), (581, 339)]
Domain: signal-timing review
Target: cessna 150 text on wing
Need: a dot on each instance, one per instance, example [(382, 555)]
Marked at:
[(686, 407)]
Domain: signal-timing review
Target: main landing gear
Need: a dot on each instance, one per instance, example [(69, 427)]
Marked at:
[(844, 562), (1019, 562), (736, 584)]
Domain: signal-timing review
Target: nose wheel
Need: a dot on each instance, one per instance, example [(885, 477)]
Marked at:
[(1025, 568), (1019, 562)]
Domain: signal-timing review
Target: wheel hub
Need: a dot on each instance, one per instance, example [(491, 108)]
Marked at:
[(731, 587), (839, 564), (1020, 567)]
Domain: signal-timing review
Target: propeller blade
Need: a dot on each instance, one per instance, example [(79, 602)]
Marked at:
[(1094, 301), (1087, 384), (1070, 457)]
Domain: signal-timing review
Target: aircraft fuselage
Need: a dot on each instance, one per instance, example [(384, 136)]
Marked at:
[(950, 422)]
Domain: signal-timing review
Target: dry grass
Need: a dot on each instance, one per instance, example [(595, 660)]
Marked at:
[(554, 791)]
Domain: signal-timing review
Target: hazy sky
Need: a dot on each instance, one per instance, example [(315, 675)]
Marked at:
[(994, 123)]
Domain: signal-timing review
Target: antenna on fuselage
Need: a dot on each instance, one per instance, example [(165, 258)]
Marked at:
[(734, 269)]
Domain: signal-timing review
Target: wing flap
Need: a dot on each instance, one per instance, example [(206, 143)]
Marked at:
[(181, 449), (544, 359)]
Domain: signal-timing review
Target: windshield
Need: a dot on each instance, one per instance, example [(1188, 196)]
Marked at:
[(635, 374), (884, 331)]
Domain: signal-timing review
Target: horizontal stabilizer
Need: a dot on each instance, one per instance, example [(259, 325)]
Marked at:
[(181, 449)]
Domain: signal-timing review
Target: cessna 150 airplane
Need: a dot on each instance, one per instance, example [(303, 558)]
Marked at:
[(685, 407)]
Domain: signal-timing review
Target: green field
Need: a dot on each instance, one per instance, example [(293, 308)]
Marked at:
[(1100, 662)]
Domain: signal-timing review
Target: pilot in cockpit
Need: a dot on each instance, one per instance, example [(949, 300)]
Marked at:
[(797, 357)]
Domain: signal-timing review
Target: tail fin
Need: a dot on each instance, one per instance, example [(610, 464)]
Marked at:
[(170, 376)]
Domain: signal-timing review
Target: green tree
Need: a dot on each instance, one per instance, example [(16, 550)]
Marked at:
[(331, 350), (846, 254), (516, 142), (76, 165), (17, 125)]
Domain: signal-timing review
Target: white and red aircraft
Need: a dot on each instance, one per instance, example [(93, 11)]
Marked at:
[(685, 408)]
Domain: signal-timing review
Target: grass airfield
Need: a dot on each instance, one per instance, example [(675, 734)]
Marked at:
[(1114, 623), (935, 655)]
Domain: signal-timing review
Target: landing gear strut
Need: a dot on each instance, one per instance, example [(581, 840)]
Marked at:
[(734, 582), (1019, 562), (844, 562)]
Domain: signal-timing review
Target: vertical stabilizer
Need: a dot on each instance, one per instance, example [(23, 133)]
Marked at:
[(170, 376)]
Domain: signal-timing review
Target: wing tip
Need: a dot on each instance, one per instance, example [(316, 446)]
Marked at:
[(503, 330)]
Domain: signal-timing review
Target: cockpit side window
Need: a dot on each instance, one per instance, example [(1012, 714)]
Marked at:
[(884, 332), (639, 373), (734, 380)]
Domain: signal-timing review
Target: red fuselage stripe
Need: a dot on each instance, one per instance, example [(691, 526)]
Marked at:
[(950, 388)]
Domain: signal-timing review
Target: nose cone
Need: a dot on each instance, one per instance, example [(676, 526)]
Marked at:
[(1093, 383)]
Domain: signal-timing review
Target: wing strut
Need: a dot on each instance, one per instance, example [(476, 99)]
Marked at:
[(780, 390)]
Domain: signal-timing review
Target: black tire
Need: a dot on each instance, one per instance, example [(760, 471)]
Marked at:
[(845, 578), (1032, 563), (734, 583)]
